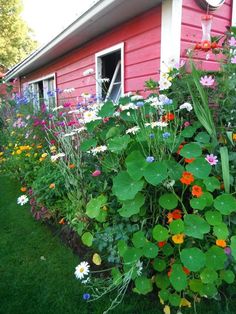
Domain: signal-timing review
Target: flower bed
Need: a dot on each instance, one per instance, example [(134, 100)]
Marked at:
[(147, 184)]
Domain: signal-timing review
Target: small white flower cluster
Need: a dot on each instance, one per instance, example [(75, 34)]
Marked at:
[(186, 106), (133, 130), (136, 97), (98, 149), (159, 124), (22, 200), (128, 106), (82, 270)]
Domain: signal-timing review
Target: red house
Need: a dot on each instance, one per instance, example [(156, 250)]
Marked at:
[(124, 42)]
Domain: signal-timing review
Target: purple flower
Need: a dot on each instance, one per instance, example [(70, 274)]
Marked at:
[(166, 135), (211, 159), (96, 173), (233, 60), (227, 250), (139, 103), (86, 296), (168, 101), (232, 42), (150, 159), (207, 80), (151, 135)]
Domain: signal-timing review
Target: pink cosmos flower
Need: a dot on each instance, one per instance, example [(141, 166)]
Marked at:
[(233, 60), (207, 80), (96, 173), (211, 159), (232, 42)]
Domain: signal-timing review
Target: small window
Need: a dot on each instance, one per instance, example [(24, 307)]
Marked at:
[(109, 73)]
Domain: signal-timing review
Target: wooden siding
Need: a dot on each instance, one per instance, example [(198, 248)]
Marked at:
[(141, 37), (191, 30)]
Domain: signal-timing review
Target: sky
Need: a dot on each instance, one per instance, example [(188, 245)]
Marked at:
[(47, 18)]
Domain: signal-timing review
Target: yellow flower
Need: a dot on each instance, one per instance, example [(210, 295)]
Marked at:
[(97, 259), (1, 153), (53, 149), (23, 189), (221, 243), (27, 155), (185, 302), (52, 186), (19, 115), (234, 136), (41, 159), (166, 309), (39, 146), (44, 155), (18, 151), (178, 238)]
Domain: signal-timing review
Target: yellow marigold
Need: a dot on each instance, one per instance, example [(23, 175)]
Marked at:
[(41, 159), (18, 151), (27, 155), (39, 146), (221, 243), (178, 238), (44, 155), (53, 148)]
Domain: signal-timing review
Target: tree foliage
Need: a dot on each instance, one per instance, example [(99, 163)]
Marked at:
[(15, 35)]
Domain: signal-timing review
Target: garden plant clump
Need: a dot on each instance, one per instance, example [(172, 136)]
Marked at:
[(147, 183)]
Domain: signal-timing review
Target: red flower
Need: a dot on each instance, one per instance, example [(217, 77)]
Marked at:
[(96, 173), (168, 117), (176, 214), (197, 191), (161, 244), (187, 178), (189, 160)]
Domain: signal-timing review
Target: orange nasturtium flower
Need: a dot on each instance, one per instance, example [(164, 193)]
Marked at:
[(52, 186), (62, 221), (176, 214), (197, 191), (189, 160), (161, 244), (179, 148), (221, 243), (168, 117), (178, 238), (234, 136), (23, 189), (187, 178), (71, 166)]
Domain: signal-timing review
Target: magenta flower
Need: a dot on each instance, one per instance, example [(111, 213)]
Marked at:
[(96, 173), (186, 124), (207, 80), (227, 250), (232, 42), (233, 60), (211, 159)]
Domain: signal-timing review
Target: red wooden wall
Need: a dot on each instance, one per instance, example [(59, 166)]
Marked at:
[(141, 37), (191, 30)]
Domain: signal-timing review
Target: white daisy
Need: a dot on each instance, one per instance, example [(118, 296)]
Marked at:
[(22, 200), (186, 106), (90, 116), (55, 157), (98, 149), (82, 270), (164, 84), (133, 130)]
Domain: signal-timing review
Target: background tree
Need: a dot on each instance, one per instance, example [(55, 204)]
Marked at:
[(16, 40)]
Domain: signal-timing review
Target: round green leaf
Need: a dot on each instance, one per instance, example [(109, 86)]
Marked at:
[(118, 144), (162, 281), (132, 255), (150, 250), (208, 198), (195, 285), (155, 173), (164, 295), (225, 203), (139, 239), (208, 290), (193, 258), (94, 205), (178, 278), (215, 258), (200, 168), (195, 226), (174, 299), (107, 109), (188, 132), (136, 165), (132, 207), (213, 217), (167, 249), (208, 275), (124, 187), (203, 137), (198, 203), (87, 144), (191, 150), (143, 285), (177, 226), (159, 264), (221, 231), (87, 239), (212, 183), (168, 201), (227, 275), (174, 169), (160, 233)]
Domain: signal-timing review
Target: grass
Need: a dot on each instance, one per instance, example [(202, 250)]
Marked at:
[(36, 269)]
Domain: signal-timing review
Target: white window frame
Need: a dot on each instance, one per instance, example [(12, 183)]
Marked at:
[(233, 22), (98, 67), (42, 79)]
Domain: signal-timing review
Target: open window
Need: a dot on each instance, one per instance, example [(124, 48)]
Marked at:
[(110, 73)]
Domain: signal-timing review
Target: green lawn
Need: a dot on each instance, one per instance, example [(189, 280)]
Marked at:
[(36, 269)]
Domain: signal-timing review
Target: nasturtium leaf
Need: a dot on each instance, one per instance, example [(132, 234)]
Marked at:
[(113, 132), (202, 137), (155, 173), (167, 249), (174, 299), (213, 217), (221, 231), (150, 250), (200, 168), (225, 203), (132, 255), (208, 198), (164, 295), (160, 233), (139, 239), (116, 276), (215, 258), (124, 187), (87, 239), (143, 285), (102, 216), (174, 169), (193, 258), (192, 150), (107, 110), (177, 226), (227, 275), (195, 285), (132, 207), (208, 290), (233, 246), (208, 275), (188, 131), (168, 201), (159, 264), (122, 247), (195, 226), (198, 203), (178, 277), (162, 281), (136, 164), (212, 183), (118, 143), (94, 205), (90, 126), (87, 144)]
